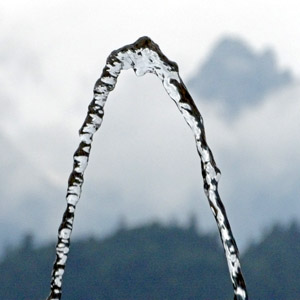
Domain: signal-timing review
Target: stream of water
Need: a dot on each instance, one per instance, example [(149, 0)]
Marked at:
[(144, 56)]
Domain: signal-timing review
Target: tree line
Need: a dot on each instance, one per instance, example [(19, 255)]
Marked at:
[(156, 262)]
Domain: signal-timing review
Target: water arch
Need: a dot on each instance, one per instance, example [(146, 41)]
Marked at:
[(144, 56)]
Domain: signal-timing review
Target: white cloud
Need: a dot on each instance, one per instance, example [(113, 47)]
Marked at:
[(258, 154), (143, 162)]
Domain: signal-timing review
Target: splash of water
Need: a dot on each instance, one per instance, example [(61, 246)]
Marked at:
[(144, 56)]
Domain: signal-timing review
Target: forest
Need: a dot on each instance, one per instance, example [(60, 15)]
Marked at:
[(155, 261)]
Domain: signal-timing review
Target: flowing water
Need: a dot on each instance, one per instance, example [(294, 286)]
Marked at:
[(144, 56)]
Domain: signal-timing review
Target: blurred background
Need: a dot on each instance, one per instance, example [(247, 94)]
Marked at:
[(238, 59)]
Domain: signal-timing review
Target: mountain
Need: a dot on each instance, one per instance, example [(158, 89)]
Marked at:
[(155, 262), (237, 76)]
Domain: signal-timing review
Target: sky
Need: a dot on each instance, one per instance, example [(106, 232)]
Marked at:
[(143, 164)]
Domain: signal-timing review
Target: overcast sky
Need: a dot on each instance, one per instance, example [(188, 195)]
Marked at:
[(81, 31), (51, 54)]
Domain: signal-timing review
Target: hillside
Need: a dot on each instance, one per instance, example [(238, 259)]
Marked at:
[(155, 262)]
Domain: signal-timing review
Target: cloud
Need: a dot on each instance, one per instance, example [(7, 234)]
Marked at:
[(258, 156), (27, 197), (145, 153), (143, 163)]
